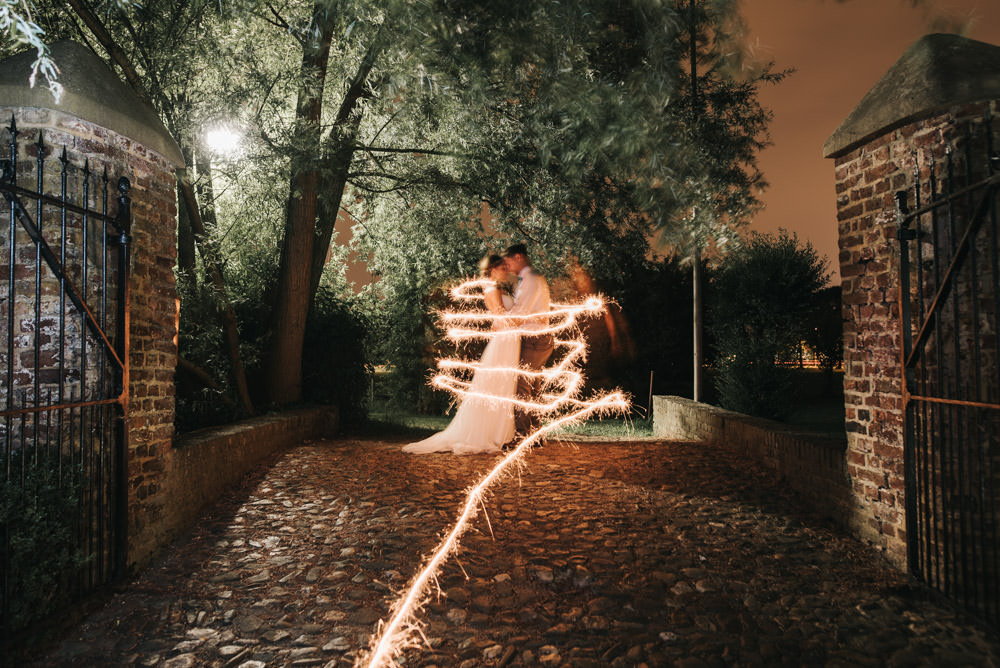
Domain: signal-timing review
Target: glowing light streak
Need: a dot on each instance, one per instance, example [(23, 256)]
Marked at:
[(563, 374), (400, 630), (396, 634), (564, 315)]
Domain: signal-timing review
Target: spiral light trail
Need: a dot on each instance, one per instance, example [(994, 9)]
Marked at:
[(559, 404)]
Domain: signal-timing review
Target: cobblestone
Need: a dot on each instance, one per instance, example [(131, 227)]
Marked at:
[(595, 554)]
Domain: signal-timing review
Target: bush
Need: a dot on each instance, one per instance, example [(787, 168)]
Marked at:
[(39, 507), (657, 305), (762, 299), (333, 357), (200, 342), (334, 361), (409, 340)]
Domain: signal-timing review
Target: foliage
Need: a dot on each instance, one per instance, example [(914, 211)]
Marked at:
[(38, 509), (334, 359), (724, 126), (199, 404), (580, 145), (18, 26), (442, 130), (825, 333), (761, 300)]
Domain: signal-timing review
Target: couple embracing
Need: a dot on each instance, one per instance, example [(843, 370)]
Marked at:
[(483, 425)]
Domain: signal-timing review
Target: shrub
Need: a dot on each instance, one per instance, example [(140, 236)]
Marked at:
[(39, 507), (334, 360), (334, 353), (762, 299)]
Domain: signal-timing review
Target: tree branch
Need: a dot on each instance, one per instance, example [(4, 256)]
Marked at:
[(147, 61), (280, 22), (229, 323), (118, 56), (204, 378), (357, 87), (414, 150)]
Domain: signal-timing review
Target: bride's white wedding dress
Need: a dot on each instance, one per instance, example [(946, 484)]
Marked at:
[(482, 425)]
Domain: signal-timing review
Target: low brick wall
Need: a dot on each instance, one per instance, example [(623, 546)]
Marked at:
[(201, 465), (812, 465)]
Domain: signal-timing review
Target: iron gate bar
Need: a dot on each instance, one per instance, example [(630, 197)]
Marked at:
[(962, 249), (943, 400), (54, 201), (38, 282), (50, 259), (90, 422), (936, 203), (950, 489), (54, 407)]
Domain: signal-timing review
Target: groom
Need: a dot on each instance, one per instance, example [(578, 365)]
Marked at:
[(531, 297)]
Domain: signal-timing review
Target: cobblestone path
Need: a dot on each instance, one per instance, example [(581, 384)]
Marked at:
[(605, 554)]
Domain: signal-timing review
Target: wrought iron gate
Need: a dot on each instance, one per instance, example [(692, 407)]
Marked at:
[(63, 379), (950, 321)]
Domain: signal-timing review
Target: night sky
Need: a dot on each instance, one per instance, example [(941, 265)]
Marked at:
[(839, 50)]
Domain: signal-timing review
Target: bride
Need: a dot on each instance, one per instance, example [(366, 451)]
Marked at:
[(483, 425)]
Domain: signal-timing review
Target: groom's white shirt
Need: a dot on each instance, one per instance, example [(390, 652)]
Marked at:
[(531, 296)]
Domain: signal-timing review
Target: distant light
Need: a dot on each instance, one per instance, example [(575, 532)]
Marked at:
[(223, 141)]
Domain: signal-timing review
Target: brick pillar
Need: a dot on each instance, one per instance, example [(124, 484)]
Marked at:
[(887, 143), (101, 122)]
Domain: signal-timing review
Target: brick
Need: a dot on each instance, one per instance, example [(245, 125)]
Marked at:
[(888, 451), (153, 308), (879, 171)]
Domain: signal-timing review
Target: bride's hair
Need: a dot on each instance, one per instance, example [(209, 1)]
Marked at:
[(489, 263)]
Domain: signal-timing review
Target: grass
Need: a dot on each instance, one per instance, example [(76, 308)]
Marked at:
[(623, 428), (817, 406), (400, 422), (410, 422)]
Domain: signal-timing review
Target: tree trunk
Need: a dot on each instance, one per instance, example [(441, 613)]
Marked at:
[(329, 208), (229, 323), (339, 149), (292, 294), (185, 243), (698, 310)]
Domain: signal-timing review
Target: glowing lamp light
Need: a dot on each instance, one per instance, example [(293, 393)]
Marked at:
[(223, 140), (558, 404)]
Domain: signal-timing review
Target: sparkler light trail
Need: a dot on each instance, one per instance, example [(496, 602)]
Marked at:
[(559, 403)]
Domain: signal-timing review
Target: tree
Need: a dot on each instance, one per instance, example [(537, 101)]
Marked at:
[(152, 47), (593, 159), (726, 127), (763, 297), (825, 333), (561, 118)]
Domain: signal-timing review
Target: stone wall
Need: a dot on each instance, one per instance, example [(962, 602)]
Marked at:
[(866, 180), (811, 465), (102, 125), (897, 135), (152, 295), (204, 463)]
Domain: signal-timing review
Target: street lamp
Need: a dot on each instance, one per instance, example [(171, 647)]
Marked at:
[(223, 140)]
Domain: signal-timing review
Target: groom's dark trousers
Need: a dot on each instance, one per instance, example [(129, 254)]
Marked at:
[(535, 352)]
